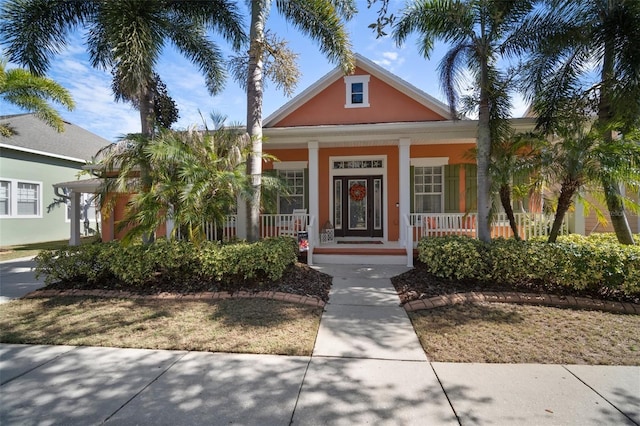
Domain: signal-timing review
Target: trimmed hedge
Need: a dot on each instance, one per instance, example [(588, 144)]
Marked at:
[(178, 261), (582, 263)]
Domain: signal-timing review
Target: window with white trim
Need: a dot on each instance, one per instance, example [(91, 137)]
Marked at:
[(428, 189), (294, 180), (5, 197), (20, 198), (357, 91)]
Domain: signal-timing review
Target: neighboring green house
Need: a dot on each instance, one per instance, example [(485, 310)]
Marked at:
[(31, 161)]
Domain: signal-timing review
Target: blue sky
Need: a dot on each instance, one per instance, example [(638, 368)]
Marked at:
[(97, 112)]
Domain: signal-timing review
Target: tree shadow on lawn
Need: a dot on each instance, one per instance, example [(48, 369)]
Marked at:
[(260, 312), (446, 318), (69, 318)]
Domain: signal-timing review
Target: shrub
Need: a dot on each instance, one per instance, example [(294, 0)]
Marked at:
[(142, 264), (267, 258), (593, 263), (176, 261), (454, 257), (86, 263)]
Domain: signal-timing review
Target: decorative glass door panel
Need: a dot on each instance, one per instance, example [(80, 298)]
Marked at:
[(357, 206)]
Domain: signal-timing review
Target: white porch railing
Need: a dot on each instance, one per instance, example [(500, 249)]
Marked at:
[(227, 232), (271, 225), (276, 225), (439, 224)]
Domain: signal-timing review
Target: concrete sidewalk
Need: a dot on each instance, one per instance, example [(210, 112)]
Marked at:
[(367, 368)]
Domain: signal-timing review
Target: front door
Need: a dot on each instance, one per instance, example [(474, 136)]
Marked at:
[(357, 206)]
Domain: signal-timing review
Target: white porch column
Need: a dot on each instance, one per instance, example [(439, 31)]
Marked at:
[(241, 223), (579, 220), (75, 218), (404, 182), (170, 224), (314, 188)]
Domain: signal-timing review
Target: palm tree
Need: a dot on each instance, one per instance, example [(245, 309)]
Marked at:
[(322, 20), (33, 93), (512, 155), (194, 174), (479, 32), (124, 37), (574, 40), (580, 158)]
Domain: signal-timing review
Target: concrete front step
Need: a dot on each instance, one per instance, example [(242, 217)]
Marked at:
[(360, 259), (360, 254)]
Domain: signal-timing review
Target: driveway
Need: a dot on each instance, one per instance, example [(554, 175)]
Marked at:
[(17, 278)]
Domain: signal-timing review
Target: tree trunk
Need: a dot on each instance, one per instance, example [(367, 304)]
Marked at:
[(505, 199), (259, 13), (567, 192), (148, 130), (146, 112), (611, 188), (484, 159)]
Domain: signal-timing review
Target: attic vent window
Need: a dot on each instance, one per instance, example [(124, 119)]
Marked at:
[(357, 91)]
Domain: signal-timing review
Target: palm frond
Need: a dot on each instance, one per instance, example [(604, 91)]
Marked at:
[(322, 21)]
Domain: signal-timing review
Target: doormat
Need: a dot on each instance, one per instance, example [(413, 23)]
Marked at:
[(359, 242)]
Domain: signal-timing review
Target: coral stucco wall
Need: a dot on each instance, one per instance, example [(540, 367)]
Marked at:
[(387, 105)]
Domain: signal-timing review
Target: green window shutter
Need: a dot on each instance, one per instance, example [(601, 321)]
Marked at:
[(471, 187), (411, 189), (451, 185), (306, 189)]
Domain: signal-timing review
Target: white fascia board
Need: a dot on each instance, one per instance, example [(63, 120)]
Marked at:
[(375, 70), (44, 154), (388, 129), (87, 185)]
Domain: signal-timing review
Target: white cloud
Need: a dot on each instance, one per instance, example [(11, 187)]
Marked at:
[(392, 56)]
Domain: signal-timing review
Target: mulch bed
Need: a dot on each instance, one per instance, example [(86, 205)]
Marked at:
[(418, 284), (299, 279)]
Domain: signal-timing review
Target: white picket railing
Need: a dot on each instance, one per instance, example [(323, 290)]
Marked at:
[(271, 225), (438, 224), (276, 225), (213, 232)]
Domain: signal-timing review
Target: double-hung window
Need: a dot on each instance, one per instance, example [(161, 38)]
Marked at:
[(428, 189), (294, 199), (20, 199), (5, 198)]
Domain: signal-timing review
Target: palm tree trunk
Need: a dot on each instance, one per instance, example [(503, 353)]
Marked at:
[(146, 112), (484, 158), (147, 122), (505, 199), (567, 192), (259, 13), (605, 113)]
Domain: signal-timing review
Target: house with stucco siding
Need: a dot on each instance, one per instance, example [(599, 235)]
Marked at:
[(34, 158)]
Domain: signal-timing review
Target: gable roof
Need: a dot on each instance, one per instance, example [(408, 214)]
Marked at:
[(34, 136), (375, 70)]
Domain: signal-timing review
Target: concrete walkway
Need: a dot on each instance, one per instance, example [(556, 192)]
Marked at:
[(367, 368)]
